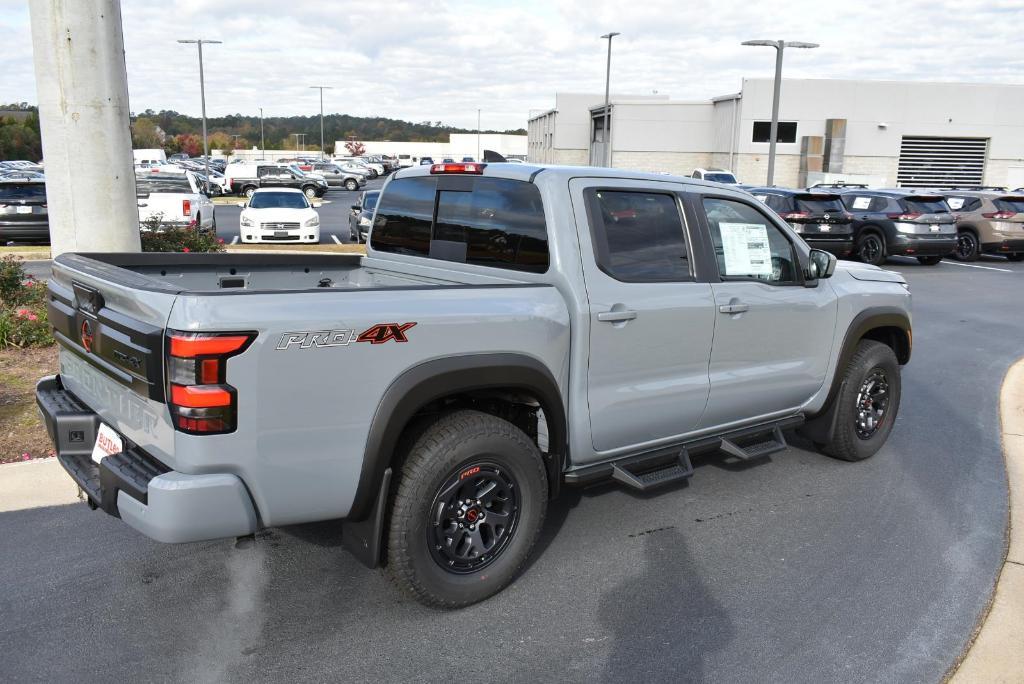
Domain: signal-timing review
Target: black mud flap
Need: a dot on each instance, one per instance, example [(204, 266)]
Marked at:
[(364, 538)]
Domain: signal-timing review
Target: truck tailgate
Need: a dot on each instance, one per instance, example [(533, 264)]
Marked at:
[(111, 337)]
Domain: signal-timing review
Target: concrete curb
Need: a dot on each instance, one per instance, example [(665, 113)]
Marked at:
[(32, 484), (997, 654)]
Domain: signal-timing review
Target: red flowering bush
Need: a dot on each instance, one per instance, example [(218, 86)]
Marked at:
[(156, 237), (23, 320)]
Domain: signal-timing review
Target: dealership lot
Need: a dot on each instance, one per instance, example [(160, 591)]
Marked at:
[(798, 567)]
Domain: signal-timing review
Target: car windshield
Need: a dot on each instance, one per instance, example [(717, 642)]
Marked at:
[(278, 200), (22, 191), (927, 205), (370, 201)]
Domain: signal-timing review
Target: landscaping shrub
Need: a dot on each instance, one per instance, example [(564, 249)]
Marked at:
[(23, 320), (157, 237)]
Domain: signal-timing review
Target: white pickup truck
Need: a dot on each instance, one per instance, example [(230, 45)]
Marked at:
[(175, 199), (512, 330)]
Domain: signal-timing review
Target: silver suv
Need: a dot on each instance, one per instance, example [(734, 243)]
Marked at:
[(987, 222)]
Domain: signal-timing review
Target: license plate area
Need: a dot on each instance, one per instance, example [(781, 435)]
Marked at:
[(108, 443), (280, 233)]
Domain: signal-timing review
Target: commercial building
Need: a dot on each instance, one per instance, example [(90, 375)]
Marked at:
[(459, 145), (885, 133)]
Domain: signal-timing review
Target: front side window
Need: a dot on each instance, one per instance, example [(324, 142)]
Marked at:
[(748, 245), (638, 236), (763, 132)]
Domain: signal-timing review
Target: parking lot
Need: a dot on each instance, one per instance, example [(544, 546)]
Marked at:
[(799, 567)]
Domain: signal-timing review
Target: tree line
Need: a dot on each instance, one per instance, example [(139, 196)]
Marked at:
[(177, 132), (19, 132)]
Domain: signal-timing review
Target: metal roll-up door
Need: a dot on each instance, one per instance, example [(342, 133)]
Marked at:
[(931, 162)]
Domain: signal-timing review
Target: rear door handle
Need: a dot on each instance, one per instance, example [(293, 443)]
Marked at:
[(616, 316), (733, 308)]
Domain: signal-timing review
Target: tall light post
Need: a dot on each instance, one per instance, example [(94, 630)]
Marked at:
[(607, 91), (202, 95), (263, 148), (478, 135), (321, 89), (780, 46)]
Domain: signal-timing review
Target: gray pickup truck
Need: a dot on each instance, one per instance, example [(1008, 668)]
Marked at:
[(512, 330)]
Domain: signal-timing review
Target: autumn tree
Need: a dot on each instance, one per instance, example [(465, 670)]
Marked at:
[(355, 148), (146, 135)]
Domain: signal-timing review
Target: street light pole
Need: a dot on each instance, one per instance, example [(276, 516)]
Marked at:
[(607, 91), (780, 46), (478, 135), (263, 148), (321, 89), (296, 141), (202, 95)]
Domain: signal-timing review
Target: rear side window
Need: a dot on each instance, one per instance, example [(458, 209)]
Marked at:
[(856, 202), (22, 191), (485, 221), (638, 236), (927, 205), (1014, 204), (148, 185)]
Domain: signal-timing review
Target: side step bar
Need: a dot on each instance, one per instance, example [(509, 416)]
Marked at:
[(674, 471), (758, 446)]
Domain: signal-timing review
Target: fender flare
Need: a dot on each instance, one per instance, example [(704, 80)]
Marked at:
[(431, 380), (820, 427)]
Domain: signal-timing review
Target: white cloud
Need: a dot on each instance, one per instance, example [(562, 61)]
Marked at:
[(441, 60)]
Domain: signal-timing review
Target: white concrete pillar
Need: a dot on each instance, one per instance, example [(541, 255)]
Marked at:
[(84, 121)]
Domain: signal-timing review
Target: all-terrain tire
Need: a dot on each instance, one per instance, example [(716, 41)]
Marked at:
[(448, 451), (851, 441)]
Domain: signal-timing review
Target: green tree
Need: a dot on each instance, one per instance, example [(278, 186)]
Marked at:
[(145, 134)]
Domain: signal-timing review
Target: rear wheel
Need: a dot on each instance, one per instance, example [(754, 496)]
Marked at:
[(869, 399), (468, 507), (929, 260), (249, 190), (966, 246), (871, 249), (309, 191), (351, 184)]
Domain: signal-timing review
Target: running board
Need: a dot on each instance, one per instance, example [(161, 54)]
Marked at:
[(757, 446), (675, 471)]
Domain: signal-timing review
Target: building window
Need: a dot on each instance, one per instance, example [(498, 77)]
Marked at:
[(598, 135), (763, 132)]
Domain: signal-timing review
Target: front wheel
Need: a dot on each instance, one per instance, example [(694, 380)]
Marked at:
[(966, 246), (351, 185), (871, 249), (929, 260), (309, 191), (469, 505), (869, 399)]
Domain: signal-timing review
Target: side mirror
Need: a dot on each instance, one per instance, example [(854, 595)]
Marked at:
[(820, 264), (241, 205), (317, 205)]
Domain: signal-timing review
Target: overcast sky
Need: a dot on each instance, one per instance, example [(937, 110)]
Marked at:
[(442, 59)]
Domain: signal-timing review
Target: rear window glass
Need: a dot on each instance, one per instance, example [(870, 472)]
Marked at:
[(22, 191), (152, 184), (1015, 204), (927, 205), (499, 223), (819, 205)]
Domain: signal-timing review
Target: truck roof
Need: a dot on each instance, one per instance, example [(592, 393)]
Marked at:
[(548, 172)]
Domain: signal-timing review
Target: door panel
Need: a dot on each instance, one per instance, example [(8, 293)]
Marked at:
[(773, 336), (650, 322)]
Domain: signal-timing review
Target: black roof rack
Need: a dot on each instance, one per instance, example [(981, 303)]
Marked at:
[(839, 184), (974, 188)]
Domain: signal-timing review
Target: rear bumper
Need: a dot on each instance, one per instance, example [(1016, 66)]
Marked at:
[(163, 504), (1003, 247), (913, 245), (840, 248)]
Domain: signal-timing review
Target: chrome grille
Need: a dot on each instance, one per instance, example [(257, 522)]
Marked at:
[(279, 226)]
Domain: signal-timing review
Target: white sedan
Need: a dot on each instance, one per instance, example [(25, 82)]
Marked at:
[(279, 215)]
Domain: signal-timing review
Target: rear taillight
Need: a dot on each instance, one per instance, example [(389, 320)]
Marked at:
[(201, 402), (465, 167), (1000, 215), (796, 215), (906, 216), (186, 207)]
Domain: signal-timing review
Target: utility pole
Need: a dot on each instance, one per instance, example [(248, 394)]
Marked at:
[(321, 89), (296, 141), (780, 46), (263, 148), (478, 135), (202, 96), (607, 106), (78, 53)]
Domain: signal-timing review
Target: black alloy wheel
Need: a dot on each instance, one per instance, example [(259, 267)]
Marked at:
[(473, 517), (966, 246), (872, 402), (871, 249)]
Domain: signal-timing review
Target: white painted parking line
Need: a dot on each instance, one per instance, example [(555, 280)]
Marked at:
[(987, 268), (336, 240), (234, 240)]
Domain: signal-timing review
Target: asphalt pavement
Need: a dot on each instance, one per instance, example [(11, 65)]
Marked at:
[(797, 568)]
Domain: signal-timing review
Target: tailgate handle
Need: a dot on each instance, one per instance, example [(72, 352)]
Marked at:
[(616, 316)]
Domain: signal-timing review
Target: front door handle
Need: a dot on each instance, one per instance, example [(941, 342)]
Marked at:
[(733, 308), (616, 316)]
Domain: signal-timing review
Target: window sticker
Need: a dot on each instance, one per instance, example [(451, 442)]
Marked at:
[(761, 198), (955, 203), (861, 202), (746, 249)]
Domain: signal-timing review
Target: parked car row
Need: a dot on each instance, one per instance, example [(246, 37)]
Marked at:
[(928, 224)]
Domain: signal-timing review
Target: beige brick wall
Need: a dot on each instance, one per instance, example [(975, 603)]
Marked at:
[(753, 169), (998, 172), (882, 167), (678, 163), (570, 157)]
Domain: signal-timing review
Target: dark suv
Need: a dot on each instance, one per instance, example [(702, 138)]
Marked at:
[(23, 215), (900, 223), (284, 177), (819, 217)]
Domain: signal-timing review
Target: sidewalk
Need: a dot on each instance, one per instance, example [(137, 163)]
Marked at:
[(33, 484), (997, 654)]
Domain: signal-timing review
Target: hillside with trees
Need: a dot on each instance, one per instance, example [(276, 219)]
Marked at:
[(19, 132)]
